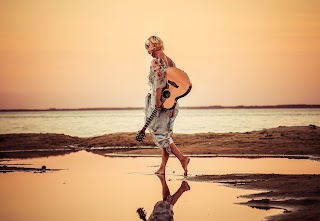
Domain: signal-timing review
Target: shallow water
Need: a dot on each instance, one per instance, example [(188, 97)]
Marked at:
[(94, 187)]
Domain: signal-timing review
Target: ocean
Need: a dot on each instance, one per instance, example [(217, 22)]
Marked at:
[(89, 123)]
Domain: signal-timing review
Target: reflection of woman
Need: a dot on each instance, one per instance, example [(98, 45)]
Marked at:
[(163, 210), (162, 125)]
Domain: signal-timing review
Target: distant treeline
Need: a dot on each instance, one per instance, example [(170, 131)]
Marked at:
[(196, 107)]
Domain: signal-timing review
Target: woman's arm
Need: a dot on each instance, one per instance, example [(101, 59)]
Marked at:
[(160, 81)]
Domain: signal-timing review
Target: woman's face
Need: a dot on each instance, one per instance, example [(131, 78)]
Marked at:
[(151, 50)]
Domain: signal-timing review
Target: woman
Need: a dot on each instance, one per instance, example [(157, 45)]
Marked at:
[(163, 210), (162, 124)]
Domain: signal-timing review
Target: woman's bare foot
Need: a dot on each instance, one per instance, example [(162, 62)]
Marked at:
[(185, 186), (160, 171), (184, 164)]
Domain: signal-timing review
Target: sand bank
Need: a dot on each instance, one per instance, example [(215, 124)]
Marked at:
[(298, 140), (298, 195)]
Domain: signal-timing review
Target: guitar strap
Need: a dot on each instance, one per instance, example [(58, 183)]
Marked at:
[(167, 64), (166, 60)]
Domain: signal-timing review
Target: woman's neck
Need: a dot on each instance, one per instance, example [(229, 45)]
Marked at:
[(159, 54)]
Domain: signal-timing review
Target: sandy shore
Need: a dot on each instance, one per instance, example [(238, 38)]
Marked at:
[(298, 194), (300, 140), (276, 141)]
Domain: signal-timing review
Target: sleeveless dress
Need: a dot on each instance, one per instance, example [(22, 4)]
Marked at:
[(162, 124), (162, 211)]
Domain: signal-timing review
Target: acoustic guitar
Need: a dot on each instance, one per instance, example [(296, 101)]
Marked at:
[(178, 85)]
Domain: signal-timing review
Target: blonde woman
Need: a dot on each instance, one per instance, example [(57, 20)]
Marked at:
[(162, 125)]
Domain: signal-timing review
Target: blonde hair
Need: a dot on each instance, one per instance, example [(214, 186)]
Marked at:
[(154, 42)]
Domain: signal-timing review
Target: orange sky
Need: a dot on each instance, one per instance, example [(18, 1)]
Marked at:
[(81, 53)]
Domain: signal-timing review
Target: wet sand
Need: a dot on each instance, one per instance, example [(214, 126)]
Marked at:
[(298, 194), (299, 140)]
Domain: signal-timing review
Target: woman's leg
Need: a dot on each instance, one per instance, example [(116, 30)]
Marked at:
[(165, 157), (165, 189), (183, 187), (183, 160)]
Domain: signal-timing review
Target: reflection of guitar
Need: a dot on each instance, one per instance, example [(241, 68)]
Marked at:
[(178, 86), (142, 214)]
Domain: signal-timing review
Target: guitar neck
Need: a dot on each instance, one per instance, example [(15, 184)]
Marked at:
[(142, 214), (153, 114)]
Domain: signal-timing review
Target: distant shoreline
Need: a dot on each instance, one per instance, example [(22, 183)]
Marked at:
[(195, 107)]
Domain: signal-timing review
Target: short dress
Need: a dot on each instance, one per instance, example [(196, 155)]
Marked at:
[(161, 127), (162, 211)]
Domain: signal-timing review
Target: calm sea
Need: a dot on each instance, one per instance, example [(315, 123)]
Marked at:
[(99, 122)]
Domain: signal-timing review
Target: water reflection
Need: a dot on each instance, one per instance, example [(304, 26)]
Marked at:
[(163, 209), (94, 187)]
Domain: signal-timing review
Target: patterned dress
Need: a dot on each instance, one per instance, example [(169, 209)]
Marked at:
[(162, 124), (162, 211)]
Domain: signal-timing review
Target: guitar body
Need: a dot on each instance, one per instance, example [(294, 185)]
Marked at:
[(178, 86)]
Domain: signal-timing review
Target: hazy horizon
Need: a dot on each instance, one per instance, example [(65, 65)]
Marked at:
[(79, 53), (186, 107)]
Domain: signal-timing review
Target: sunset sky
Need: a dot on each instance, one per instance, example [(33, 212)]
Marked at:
[(90, 53)]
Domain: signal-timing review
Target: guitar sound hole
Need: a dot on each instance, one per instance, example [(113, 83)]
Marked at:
[(166, 93)]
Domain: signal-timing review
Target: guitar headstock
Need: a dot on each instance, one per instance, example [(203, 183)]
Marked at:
[(142, 213), (140, 136)]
